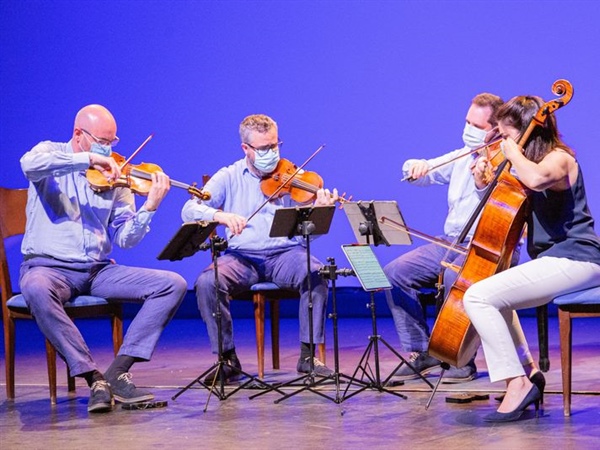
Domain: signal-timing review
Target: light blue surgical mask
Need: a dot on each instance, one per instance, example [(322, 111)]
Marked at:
[(473, 137), (104, 150), (268, 162)]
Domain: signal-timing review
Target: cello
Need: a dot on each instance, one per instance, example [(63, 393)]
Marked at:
[(504, 211)]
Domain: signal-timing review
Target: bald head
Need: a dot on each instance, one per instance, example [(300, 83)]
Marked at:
[(94, 119)]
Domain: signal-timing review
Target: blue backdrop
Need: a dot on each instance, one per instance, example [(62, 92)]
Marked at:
[(376, 81)]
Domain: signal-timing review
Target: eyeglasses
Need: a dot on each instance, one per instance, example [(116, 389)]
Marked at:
[(102, 141), (262, 151)]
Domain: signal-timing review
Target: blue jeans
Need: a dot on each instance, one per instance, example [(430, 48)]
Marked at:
[(239, 270), (416, 269), (46, 284)]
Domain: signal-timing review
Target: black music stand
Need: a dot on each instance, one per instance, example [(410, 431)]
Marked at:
[(187, 241), (363, 217), (306, 222)]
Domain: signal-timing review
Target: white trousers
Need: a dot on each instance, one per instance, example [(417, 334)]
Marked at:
[(491, 305)]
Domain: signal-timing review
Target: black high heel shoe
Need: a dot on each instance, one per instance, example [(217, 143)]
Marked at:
[(533, 396), (537, 379)]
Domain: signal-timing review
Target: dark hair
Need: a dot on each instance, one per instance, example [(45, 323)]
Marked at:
[(491, 101), (518, 113)]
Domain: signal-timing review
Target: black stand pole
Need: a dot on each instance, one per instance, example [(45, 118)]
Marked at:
[(331, 272), (217, 245)]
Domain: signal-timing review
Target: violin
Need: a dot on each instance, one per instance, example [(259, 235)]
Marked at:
[(138, 178), (300, 185)]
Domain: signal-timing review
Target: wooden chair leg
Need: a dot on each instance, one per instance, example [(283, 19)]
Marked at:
[(51, 359), (259, 322), (70, 381), (117, 332), (9, 352), (274, 305), (564, 325), (542, 324), (322, 353)]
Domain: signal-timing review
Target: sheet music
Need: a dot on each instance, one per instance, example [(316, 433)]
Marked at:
[(366, 267)]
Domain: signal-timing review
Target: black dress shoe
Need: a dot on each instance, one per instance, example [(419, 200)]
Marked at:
[(533, 396)]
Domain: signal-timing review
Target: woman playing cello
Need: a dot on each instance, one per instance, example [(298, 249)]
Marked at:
[(562, 244)]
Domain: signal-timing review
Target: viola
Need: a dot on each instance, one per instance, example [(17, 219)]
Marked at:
[(300, 185), (503, 215), (138, 178)]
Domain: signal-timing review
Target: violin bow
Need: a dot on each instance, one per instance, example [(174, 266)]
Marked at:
[(284, 184), (137, 150), (476, 150)]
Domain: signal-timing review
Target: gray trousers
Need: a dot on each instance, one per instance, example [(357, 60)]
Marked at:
[(238, 271), (46, 284)]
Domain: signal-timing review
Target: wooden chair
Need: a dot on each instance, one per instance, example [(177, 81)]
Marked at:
[(580, 304), (12, 224), (260, 293)]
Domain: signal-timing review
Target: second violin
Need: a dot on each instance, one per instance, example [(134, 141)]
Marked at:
[(302, 186)]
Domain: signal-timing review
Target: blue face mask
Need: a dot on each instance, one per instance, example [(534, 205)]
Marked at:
[(473, 137), (104, 150), (267, 162)]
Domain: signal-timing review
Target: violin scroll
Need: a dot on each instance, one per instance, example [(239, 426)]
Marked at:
[(199, 193)]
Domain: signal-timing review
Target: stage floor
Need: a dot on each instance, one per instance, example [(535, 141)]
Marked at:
[(369, 419)]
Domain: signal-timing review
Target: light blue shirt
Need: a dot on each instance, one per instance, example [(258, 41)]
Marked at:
[(463, 195), (68, 221), (235, 189)]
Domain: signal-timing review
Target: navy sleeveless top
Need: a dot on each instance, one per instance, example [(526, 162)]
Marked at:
[(560, 225)]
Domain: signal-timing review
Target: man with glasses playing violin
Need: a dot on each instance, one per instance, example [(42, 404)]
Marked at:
[(252, 256), (420, 268), (69, 236)]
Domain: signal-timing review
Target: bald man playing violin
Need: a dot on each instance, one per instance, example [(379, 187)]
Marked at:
[(252, 256), (69, 236)]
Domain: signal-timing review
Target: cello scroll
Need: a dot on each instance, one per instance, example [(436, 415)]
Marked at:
[(559, 87)]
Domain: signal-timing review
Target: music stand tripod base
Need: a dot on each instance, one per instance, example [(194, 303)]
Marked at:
[(372, 279), (188, 240)]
